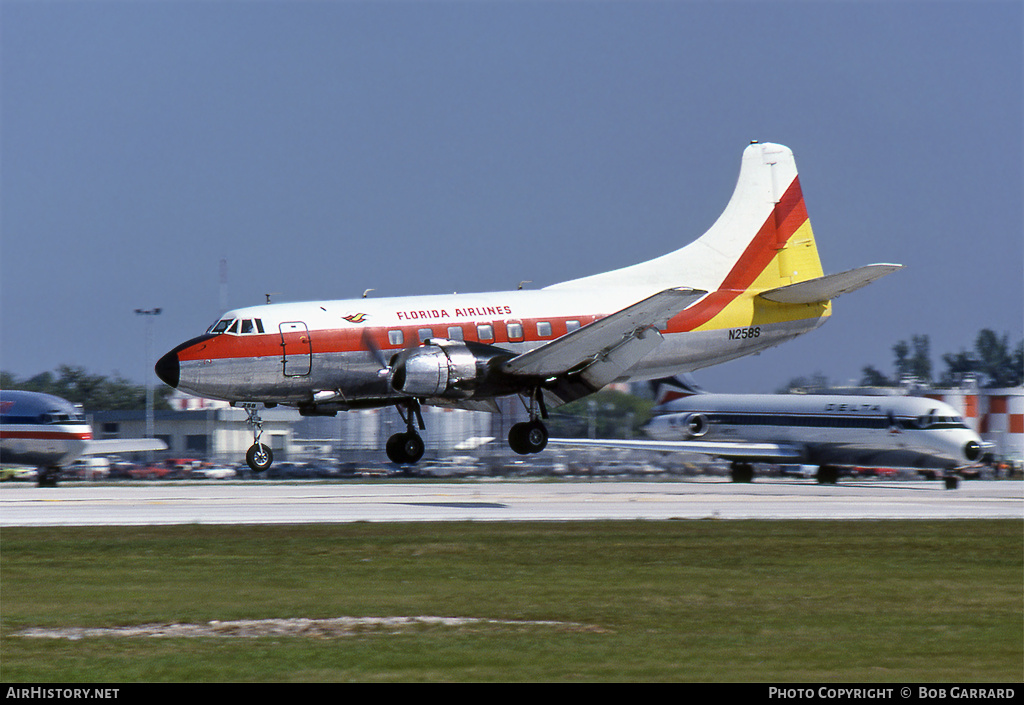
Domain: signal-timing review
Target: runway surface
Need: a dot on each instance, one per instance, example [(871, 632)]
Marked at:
[(76, 504)]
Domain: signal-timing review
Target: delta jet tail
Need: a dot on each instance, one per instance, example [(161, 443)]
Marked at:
[(752, 281), (50, 433), (829, 431)]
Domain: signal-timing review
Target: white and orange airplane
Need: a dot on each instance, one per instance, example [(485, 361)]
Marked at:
[(752, 281)]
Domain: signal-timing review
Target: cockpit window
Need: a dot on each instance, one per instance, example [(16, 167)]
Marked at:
[(242, 326), (220, 326), (933, 419), (61, 417)]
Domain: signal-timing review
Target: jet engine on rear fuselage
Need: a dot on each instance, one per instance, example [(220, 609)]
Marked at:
[(675, 425)]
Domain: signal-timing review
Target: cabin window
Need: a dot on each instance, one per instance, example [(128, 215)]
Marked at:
[(234, 327), (485, 332), (247, 326), (515, 331), (455, 332), (570, 326), (395, 337), (544, 329), (425, 333), (259, 325)]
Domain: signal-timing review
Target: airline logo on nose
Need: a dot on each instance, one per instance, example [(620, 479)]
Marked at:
[(355, 317)]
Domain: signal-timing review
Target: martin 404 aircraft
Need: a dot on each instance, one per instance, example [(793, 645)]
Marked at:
[(830, 431), (50, 433), (752, 281)]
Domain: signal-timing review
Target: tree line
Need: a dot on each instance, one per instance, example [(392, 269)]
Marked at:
[(991, 363), (94, 392)]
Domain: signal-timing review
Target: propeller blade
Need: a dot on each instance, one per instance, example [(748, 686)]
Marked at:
[(371, 346)]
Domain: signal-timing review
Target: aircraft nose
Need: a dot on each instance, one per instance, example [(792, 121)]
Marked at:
[(168, 369)]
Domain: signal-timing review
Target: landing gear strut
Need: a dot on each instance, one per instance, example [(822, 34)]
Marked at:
[(407, 448), (530, 436), (259, 457)]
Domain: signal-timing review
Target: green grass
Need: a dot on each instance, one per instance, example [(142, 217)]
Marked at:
[(640, 601)]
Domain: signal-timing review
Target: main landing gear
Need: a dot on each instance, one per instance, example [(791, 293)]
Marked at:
[(259, 457), (524, 438), (407, 448), (530, 436)]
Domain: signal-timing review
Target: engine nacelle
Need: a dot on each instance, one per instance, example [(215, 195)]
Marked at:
[(671, 427), (696, 425), (438, 368)]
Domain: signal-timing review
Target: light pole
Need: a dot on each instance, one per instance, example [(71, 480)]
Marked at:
[(149, 313)]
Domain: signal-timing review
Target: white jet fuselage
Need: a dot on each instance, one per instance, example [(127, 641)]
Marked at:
[(870, 431)]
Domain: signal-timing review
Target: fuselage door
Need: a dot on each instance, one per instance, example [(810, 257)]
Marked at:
[(296, 349)]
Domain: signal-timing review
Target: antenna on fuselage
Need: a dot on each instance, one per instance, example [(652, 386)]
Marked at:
[(276, 293), (367, 292), (525, 281)]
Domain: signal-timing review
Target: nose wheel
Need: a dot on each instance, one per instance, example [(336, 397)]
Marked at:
[(259, 457)]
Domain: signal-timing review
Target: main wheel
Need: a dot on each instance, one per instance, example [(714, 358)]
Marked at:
[(404, 448), (742, 472), (828, 475), (528, 437), (259, 457)]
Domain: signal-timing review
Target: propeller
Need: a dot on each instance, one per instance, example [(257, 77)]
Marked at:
[(370, 345)]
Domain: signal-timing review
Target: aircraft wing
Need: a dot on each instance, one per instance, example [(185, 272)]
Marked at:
[(829, 287), (765, 452), (123, 445), (604, 349)]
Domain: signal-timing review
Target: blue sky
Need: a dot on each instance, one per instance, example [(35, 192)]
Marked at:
[(323, 148)]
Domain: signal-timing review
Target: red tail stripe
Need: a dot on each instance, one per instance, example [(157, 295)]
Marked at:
[(789, 214)]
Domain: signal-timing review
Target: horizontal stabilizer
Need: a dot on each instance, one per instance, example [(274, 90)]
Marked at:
[(729, 450), (829, 287)]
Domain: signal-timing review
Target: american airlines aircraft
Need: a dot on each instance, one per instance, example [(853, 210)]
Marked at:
[(752, 281), (830, 431), (50, 433)]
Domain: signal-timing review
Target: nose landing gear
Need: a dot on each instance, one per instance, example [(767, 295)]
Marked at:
[(259, 457)]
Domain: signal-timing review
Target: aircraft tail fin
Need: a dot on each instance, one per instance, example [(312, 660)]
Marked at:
[(762, 240), (669, 389)]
